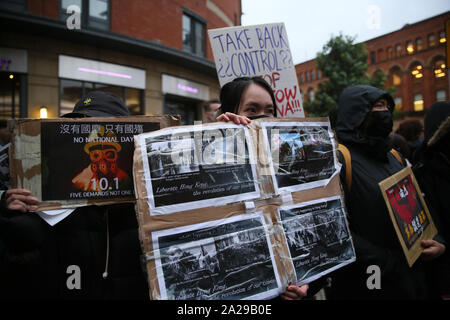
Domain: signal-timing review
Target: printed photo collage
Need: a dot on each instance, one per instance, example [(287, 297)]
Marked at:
[(238, 212)]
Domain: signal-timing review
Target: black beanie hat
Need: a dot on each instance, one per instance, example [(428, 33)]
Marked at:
[(99, 104)]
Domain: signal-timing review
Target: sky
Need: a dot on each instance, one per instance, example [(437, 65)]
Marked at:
[(311, 23)]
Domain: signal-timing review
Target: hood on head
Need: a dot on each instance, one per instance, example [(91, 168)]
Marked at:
[(437, 122), (355, 102)]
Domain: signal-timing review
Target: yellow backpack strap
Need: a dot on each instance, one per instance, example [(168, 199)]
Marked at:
[(348, 165), (397, 156)]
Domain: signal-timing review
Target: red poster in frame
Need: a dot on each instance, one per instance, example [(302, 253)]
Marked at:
[(408, 211)]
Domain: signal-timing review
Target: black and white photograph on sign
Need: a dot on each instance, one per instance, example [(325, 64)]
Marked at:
[(317, 236), (301, 155), (89, 160), (5, 183), (200, 166), (228, 259)]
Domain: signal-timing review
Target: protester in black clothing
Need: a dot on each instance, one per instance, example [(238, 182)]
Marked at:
[(432, 170), (363, 126), (412, 131), (97, 244)]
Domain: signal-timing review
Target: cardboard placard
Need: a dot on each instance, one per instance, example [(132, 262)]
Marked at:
[(408, 211), (236, 237), (73, 162), (259, 50)]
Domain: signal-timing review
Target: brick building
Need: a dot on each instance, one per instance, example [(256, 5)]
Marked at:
[(413, 58), (153, 54)]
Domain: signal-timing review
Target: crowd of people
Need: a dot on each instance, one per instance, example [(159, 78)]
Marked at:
[(104, 242)]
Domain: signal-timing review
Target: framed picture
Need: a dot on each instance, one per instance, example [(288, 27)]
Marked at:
[(301, 154), (195, 167), (317, 237), (408, 212), (72, 162), (223, 259)]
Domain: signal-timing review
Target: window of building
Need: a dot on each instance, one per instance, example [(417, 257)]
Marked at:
[(418, 102), (372, 57), (417, 71), (319, 74), (398, 103), (409, 47), (193, 34), (398, 50), (380, 55), (94, 13), (311, 95), (439, 68), (441, 95), (431, 40), (390, 53), (302, 79), (396, 79), (307, 76), (73, 90), (312, 75), (9, 95), (442, 38), (419, 44)]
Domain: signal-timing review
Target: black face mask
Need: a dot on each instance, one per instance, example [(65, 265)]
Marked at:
[(378, 124)]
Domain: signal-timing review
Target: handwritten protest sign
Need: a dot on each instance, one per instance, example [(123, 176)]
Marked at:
[(259, 50)]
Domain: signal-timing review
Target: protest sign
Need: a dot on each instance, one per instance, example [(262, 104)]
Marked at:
[(259, 50), (408, 211), (73, 162), (211, 225)]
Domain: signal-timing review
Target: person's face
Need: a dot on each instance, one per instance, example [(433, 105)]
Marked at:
[(212, 112), (380, 105), (256, 101)]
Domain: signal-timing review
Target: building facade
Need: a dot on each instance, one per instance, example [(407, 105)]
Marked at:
[(413, 58), (155, 54)]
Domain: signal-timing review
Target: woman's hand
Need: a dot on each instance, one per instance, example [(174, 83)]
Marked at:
[(232, 117), (20, 200), (294, 292)]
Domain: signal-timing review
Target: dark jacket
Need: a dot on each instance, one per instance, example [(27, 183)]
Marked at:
[(36, 259), (432, 170), (373, 233)]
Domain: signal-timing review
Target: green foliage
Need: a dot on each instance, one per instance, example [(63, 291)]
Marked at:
[(344, 63)]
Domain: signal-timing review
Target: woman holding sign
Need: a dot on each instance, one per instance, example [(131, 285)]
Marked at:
[(242, 100)]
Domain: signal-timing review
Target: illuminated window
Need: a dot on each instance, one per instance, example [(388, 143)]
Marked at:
[(439, 68), (398, 50), (431, 40), (398, 103), (418, 102), (409, 47), (417, 71), (396, 80), (441, 95), (419, 44), (442, 38)]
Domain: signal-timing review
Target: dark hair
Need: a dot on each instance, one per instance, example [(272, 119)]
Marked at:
[(410, 129), (207, 105), (231, 93)]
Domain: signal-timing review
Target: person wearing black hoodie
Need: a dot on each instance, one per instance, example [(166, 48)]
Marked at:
[(363, 126), (432, 170), (98, 244)]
